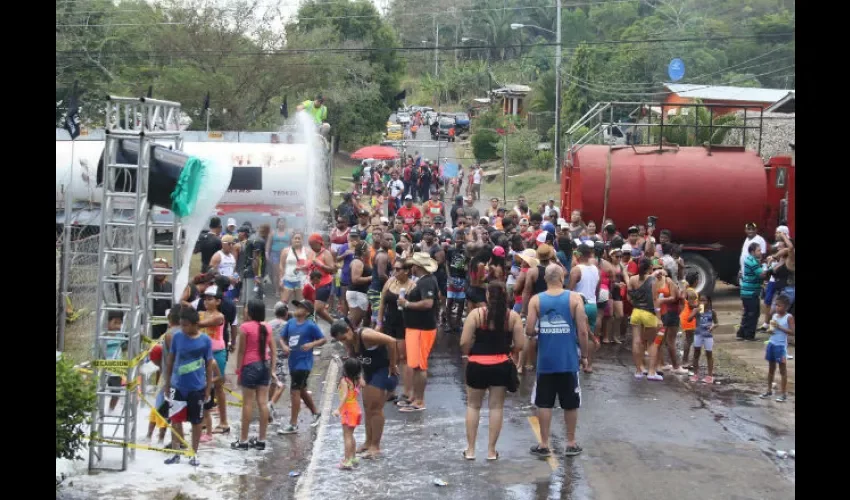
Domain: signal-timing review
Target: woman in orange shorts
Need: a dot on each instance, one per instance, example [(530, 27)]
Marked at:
[(349, 410)]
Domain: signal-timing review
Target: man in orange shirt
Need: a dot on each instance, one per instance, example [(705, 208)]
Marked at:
[(434, 206)]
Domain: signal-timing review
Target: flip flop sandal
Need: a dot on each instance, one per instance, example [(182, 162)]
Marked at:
[(467, 457), (493, 459), (392, 398), (221, 430), (411, 409), (572, 451)]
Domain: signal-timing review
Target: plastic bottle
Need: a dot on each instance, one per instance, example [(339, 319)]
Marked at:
[(401, 294)]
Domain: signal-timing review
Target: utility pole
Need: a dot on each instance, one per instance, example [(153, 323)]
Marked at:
[(437, 49), (557, 142)]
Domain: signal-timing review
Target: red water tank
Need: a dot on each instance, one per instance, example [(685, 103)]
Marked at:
[(701, 198)]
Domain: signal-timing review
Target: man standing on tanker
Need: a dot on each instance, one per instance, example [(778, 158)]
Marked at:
[(318, 111)]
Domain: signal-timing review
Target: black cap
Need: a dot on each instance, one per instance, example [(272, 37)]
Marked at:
[(458, 198), (428, 230), (244, 229), (306, 304)]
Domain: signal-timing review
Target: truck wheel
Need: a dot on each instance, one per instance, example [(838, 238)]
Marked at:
[(706, 277)]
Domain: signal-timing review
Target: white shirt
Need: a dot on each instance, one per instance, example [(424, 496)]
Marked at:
[(396, 187), (745, 250), (476, 176)]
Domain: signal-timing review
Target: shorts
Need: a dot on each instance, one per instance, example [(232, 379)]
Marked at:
[(644, 318), (476, 295), (592, 313), (395, 331), (357, 300), (281, 367), (790, 292), (299, 379), (442, 282), (323, 293), (374, 297), (188, 406), (768, 293), (518, 305), (418, 344), (775, 353), (456, 288), (351, 417), (256, 374), (563, 385), (209, 405), (114, 384), (382, 379), (670, 319), (292, 285), (221, 359), (480, 376), (703, 342), (160, 422)]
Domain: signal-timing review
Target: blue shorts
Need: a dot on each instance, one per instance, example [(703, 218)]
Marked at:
[(775, 353), (591, 311), (790, 292), (517, 307), (456, 288), (292, 285), (383, 380), (221, 359), (768, 293)]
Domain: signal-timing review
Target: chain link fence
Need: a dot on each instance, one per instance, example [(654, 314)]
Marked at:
[(76, 295)]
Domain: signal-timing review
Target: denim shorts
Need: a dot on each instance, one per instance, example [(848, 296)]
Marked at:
[(775, 353), (257, 374), (383, 380)]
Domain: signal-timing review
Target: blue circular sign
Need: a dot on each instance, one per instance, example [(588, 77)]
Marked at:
[(676, 69)]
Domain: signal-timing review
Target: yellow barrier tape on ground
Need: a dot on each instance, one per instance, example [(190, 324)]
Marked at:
[(234, 403), (188, 453), (230, 391), (169, 427)]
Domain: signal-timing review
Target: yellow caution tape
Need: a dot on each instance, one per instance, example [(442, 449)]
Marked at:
[(168, 425), (230, 391), (188, 453), (110, 363), (234, 403)]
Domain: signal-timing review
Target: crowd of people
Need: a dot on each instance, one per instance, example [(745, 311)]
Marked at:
[(525, 291)]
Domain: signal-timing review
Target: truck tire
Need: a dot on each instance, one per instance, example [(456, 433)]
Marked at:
[(707, 277)]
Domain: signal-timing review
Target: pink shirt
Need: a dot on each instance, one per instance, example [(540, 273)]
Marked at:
[(252, 342)]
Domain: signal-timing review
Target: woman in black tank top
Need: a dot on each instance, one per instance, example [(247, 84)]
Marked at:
[(361, 278), (378, 354), (490, 335)]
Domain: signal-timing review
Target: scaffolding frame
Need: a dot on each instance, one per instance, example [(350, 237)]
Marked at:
[(132, 294)]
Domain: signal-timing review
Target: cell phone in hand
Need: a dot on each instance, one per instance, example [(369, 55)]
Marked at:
[(651, 221)]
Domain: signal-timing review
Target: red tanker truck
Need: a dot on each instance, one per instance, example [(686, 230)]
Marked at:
[(704, 195)]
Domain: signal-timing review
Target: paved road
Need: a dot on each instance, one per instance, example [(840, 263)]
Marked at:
[(641, 440)]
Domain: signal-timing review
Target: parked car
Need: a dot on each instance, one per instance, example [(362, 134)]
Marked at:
[(462, 121), (403, 118), (447, 129)]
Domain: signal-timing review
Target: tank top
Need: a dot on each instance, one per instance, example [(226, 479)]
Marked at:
[(488, 347), (372, 359), (351, 393), (377, 284), (540, 283), (227, 265), (777, 337), (665, 290), (604, 282), (293, 261), (642, 296), (434, 208), (327, 277), (362, 287), (587, 284), (215, 333), (279, 243), (252, 342), (339, 238), (558, 339)]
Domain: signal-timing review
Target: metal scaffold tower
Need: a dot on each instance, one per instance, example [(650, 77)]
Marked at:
[(126, 256)]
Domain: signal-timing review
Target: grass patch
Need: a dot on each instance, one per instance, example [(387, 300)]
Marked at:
[(535, 185)]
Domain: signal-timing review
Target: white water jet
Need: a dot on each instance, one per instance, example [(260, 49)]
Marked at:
[(315, 170)]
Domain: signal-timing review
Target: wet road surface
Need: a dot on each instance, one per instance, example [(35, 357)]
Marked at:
[(641, 440)]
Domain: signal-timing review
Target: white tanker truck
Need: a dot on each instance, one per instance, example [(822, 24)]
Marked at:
[(270, 176)]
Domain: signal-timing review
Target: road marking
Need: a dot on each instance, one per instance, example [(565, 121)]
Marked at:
[(535, 428), (304, 487)]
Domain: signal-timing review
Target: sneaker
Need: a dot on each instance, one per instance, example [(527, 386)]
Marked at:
[(766, 395), (289, 429), (763, 327), (257, 444), (316, 419), (272, 413), (240, 445), (708, 379), (317, 352), (173, 460), (782, 398), (694, 378), (194, 462), (206, 438), (657, 377)]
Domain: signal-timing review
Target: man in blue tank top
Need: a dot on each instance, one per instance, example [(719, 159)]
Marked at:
[(557, 317)]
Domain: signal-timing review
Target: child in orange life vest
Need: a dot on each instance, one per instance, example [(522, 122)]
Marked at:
[(349, 409)]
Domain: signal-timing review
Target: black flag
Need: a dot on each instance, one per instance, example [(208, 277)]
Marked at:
[(284, 110), (150, 91), (207, 101), (401, 95), (72, 118)]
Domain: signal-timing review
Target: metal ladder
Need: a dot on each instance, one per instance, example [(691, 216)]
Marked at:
[(126, 264)]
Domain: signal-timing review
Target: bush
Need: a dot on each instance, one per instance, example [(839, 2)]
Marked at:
[(75, 402), (544, 160), (522, 148), (485, 144)]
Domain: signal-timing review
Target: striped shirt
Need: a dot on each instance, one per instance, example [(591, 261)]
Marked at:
[(751, 278)]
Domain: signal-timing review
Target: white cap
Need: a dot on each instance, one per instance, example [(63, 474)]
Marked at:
[(626, 248), (408, 197), (211, 290), (385, 220), (231, 222), (541, 238), (784, 230)]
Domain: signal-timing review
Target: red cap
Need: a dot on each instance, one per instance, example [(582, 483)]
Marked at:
[(156, 353)]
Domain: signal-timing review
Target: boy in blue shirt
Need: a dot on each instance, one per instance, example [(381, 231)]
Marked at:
[(188, 378), (300, 336)]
